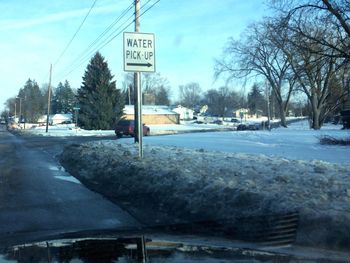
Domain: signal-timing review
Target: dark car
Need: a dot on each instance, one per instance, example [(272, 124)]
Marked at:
[(254, 127), (126, 127), (242, 127), (250, 127)]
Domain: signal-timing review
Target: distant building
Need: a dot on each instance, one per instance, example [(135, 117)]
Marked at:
[(153, 114), (185, 113), (60, 118), (42, 119), (245, 114), (56, 118)]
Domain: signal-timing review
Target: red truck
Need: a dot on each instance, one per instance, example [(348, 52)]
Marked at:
[(126, 127)]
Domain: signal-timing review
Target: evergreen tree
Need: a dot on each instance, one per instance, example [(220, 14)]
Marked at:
[(31, 101), (256, 100), (64, 99), (101, 104)]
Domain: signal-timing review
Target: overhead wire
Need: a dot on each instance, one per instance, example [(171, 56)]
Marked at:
[(78, 62), (83, 56), (107, 29), (75, 34)]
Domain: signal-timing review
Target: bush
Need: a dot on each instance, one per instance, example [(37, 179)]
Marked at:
[(329, 140)]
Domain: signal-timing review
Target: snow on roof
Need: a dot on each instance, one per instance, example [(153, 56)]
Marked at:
[(150, 110), (182, 108), (67, 116)]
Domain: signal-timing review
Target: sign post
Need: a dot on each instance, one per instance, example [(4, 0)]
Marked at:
[(139, 56)]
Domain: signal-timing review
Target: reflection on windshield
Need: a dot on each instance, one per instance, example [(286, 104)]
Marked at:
[(129, 250)]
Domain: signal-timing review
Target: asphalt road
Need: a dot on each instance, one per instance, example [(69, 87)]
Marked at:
[(38, 197)]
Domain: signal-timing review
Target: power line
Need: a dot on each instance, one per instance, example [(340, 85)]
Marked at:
[(108, 29), (88, 55), (83, 55), (131, 22), (107, 41), (75, 34)]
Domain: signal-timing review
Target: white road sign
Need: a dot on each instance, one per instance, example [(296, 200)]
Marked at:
[(139, 55)]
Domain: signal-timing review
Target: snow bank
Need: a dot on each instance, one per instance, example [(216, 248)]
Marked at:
[(193, 184)]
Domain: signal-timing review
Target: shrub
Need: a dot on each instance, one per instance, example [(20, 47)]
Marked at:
[(329, 140)]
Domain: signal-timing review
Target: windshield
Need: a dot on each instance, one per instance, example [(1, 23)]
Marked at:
[(182, 131)]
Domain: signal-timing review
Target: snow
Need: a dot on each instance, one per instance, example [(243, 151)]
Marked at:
[(296, 142), (218, 175), (63, 130)]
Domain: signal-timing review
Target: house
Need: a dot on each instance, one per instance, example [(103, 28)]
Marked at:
[(42, 119), (185, 113), (56, 118), (153, 114), (62, 118), (241, 114)]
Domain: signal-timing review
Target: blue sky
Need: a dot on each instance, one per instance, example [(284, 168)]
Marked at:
[(189, 35)]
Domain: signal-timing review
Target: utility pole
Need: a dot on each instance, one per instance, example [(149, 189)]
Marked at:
[(20, 110), (15, 110), (48, 101), (136, 78)]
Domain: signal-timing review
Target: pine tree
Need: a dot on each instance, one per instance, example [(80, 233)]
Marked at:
[(64, 99), (32, 101), (101, 104), (256, 100)]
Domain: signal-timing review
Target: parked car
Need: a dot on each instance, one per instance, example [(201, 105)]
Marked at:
[(126, 127), (234, 120), (254, 127), (219, 122), (250, 127), (242, 127)]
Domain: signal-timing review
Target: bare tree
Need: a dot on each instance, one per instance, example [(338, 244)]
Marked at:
[(190, 94), (156, 89), (221, 101), (323, 13), (315, 66), (256, 54), (128, 88)]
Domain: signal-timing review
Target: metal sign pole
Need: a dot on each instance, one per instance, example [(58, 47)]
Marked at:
[(139, 113)]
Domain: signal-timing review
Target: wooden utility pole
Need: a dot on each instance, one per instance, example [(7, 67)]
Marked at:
[(48, 101), (136, 78)]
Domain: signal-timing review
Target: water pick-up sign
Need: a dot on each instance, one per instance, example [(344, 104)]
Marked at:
[(139, 55)]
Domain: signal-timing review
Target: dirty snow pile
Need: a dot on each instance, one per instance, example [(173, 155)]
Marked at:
[(193, 184)]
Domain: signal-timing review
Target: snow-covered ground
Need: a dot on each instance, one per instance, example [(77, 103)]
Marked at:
[(296, 142), (70, 130), (215, 175), (62, 130), (184, 126)]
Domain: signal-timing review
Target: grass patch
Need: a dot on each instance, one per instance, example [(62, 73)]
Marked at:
[(329, 140)]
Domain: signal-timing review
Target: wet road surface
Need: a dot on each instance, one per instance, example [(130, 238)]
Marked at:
[(38, 196)]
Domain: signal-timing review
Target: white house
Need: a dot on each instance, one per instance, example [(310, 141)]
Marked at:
[(56, 118), (185, 113), (60, 118)]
